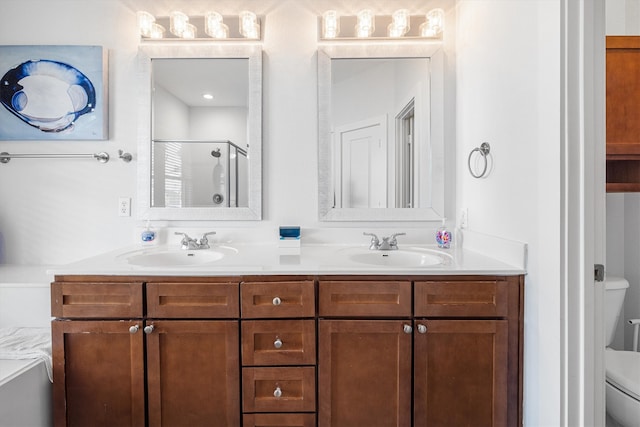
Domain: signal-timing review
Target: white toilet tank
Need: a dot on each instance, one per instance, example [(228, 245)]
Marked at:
[(615, 288)]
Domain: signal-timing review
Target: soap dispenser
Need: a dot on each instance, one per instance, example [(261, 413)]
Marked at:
[(443, 236), (148, 235)]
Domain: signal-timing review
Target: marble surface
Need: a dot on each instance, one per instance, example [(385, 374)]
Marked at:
[(270, 259)]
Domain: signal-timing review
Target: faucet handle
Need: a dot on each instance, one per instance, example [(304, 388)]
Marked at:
[(204, 242), (392, 238), (186, 241), (375, 242)]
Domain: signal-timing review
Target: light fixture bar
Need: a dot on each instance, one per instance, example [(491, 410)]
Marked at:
[(211, 26)]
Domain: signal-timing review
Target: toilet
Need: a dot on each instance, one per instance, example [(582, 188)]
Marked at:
[(622, 367)]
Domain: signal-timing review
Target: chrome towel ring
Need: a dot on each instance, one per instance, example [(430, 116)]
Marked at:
[(484, 151)]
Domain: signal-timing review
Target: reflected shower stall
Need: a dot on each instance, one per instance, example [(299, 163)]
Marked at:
[(199, 174)]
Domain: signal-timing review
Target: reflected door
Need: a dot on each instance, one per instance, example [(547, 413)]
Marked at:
[(363, 165)]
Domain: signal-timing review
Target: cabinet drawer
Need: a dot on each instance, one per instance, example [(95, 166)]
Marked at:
[(278, 299), (456, 299), (364, 298), (278, 342), (279, 389), (279, 420), (192, 300), (96, 300)]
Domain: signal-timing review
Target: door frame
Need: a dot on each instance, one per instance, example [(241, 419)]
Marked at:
[(583, 195)]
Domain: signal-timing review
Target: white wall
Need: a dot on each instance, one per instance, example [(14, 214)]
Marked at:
[(508, 69), (57, 211)]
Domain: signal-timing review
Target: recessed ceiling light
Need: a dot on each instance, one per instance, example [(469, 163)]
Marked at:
[(207, 96)]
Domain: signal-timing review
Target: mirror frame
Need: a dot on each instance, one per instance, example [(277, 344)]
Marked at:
[(254, 128), (431, 51)]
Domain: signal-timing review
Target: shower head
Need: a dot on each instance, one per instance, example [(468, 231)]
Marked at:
[(215, 153)]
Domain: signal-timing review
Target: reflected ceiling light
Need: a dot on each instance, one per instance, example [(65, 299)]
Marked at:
[(214, 26), (248, 25), (365, 25), (330, 24), (434, 25), (145, 22), (207, 96), (178, 23)]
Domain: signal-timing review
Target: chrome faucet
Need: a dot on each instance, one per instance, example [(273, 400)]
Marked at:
[(188, 243), (387, 244)]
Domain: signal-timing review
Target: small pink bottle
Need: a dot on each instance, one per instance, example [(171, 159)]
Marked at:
[(443, 236)]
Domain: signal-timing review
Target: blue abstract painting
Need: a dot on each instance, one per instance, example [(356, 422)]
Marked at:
[(53, 92)]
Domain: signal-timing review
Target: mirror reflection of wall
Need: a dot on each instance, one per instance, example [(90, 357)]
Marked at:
[(199, 133), (380, 151)]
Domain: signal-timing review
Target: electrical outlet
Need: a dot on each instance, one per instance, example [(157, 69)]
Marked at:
[(124, 206), (464, 218)]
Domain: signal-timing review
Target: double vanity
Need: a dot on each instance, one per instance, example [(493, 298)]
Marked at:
[(253, 335)]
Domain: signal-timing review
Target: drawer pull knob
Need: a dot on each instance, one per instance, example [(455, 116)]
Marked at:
[(407, 329), (277, 301), (277, 343), (134, 329), (422, 329), (277, 392), (148, 329)]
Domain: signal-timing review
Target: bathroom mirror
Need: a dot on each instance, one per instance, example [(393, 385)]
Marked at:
[(199, 148), (381, 132)]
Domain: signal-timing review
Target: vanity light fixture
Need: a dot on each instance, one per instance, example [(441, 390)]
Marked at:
[(400, 25), (183, 27)]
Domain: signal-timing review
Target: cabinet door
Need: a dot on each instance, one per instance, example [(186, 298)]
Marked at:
[(193, 373), (98, 373), (364, 373), (460, 373)]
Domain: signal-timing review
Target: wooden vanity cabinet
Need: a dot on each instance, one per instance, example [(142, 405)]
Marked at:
[(278, 351), (453, 358), (288, 351), (166, 355)]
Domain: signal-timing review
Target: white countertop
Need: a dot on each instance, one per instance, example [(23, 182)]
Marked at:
[(312, 259)]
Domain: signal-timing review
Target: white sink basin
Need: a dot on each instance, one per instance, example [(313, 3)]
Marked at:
[(177, 257), (400, 258)]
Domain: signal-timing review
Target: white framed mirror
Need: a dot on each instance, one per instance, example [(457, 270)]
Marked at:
[(381, 132), (200, 132)]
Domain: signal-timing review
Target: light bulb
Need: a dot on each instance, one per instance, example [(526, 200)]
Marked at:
[(330, 24), (145, 21), (214, 26), (401, 22), (157, 31), (434, 24), (366, 23), (249, 26), (190, 31), (178, 23)]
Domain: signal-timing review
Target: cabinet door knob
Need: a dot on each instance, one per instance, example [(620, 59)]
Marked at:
[(277, 392), (134, 329), (277, 301), (277, 343), (407, 329), (422, 329), (148, 329)]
